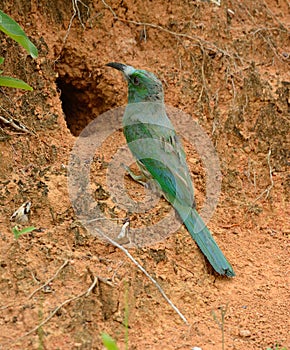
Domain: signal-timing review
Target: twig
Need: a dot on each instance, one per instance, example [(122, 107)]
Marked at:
[(210, 46), (266, 39), (201, 42), (270, 174), (16, 124), (104, 280), (67, 301), (76, 12), (124, 250), (92, 286), (269, 188), (120, 264), (275, 17), (85, 293), (263, 29), (35, 279), (110, 8), (204, 84), (49, 280), (69, 26)]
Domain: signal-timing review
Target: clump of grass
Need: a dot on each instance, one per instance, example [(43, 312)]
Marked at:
[(221, 322)]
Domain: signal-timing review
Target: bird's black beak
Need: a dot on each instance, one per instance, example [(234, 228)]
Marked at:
[(120, 66), (126, 70)]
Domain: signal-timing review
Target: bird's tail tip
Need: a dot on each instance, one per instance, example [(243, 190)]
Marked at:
[(229, 272)]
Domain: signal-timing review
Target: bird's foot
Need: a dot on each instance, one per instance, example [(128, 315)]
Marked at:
[(141, 179)]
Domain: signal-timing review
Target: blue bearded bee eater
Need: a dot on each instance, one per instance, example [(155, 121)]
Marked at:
[(162, 158)]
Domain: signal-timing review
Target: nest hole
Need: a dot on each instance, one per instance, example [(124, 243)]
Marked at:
[(81, 101)]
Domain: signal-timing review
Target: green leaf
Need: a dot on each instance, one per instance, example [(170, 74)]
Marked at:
[(14, 83), (109, 342), (18, 233), (27, 229), (1, 60), (12, 29)]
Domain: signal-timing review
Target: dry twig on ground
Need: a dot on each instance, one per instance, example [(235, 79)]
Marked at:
[(65, 302), (141, 268), (50, 279)]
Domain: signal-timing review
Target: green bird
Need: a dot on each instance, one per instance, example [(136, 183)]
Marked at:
[(159, 153)]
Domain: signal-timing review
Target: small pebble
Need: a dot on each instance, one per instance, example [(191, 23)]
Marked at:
[(244, 333)]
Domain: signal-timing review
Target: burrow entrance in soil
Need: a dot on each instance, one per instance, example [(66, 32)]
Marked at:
[(82, 100)]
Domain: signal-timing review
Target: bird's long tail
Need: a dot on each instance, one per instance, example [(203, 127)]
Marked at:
[(204, 239)]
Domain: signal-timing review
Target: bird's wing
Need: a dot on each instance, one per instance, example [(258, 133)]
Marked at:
[(160, 151)]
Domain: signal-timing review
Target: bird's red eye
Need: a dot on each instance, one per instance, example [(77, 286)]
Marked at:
[(136, 81)]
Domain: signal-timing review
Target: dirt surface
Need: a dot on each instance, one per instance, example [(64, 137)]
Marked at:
[(228, 67)]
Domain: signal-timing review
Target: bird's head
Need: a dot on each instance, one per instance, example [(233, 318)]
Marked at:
[(143, 86)]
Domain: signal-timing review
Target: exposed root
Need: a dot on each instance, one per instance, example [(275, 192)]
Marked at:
[(67, 301), (16, 124), (141, 268), (206, 44), (49, 280), (269, 188), (76, 12)]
